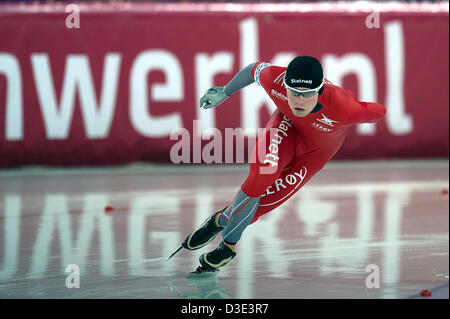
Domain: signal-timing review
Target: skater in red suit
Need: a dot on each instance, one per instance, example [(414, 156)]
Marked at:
[(305, 131)]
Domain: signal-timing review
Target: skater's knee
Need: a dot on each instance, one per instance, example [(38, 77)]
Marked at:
[(259, 178)]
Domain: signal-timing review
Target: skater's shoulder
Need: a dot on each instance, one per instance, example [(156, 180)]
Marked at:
[(337, 95), (268, 73), (260, 65)]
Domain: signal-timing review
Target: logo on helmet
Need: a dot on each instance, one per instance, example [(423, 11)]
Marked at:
[(301, 81)]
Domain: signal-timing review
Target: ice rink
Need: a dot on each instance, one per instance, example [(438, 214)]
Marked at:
[(352, 221)]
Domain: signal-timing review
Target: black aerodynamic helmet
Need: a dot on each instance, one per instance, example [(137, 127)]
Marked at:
[(305, 71)]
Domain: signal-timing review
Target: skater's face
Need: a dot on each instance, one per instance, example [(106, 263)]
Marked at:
[(300, 105)]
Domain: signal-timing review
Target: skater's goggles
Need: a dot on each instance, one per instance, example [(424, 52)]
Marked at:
[(304, 93)]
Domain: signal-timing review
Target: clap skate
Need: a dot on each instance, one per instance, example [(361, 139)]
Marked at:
[(212, 261), (202, 235)]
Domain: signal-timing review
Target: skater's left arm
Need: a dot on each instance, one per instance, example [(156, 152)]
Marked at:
[(371, 112), (365, 112)]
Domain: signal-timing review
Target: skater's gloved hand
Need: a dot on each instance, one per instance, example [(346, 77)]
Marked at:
[(213, 97)]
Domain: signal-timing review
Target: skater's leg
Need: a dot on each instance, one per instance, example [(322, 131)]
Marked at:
[(291, 180), (240, 201), (239, 217), (274, 150), (278, 136)]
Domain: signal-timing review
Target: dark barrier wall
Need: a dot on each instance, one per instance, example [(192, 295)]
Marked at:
[(100, 84)]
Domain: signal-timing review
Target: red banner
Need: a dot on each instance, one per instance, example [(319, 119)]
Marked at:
[(98, 84)]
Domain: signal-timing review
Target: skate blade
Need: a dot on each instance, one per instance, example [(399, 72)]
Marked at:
[(200, 273), (177, 250)]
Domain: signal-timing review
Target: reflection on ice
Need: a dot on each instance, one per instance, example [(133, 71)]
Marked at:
[(327, 233)]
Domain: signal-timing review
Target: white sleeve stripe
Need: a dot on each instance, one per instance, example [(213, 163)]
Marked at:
[(258, 71), (279, 78)]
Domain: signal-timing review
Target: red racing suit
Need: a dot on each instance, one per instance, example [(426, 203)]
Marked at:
[(291, 150)]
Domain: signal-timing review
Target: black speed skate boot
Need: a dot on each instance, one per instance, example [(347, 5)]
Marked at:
[(215, 259), (204, 234)]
